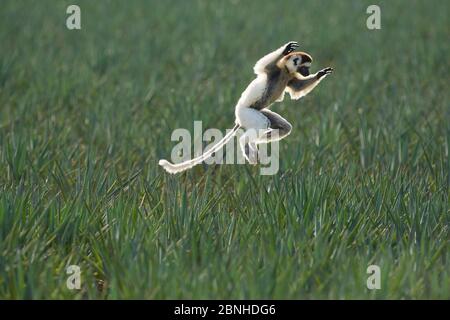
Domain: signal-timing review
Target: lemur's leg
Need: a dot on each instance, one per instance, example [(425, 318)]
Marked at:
[(248, 147), (279, 127), (269, 61), (255, 124)]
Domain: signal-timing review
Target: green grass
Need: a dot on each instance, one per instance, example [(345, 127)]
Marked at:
[(85, 115)]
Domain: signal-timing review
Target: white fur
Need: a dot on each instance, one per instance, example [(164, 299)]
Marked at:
[(175, 168), (249, 118), (266, 60), (256, 124), (290, 64), (248, 138), (253, 92)]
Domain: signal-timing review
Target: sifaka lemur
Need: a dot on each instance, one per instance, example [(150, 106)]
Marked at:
[(278, 72)]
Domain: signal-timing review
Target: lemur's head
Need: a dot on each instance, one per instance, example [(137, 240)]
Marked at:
[(298, 62)]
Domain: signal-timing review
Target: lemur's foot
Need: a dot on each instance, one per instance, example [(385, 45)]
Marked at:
[(251, 154), (324, 72), (290, 47)]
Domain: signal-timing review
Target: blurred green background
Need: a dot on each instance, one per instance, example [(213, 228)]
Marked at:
[(85, 115)]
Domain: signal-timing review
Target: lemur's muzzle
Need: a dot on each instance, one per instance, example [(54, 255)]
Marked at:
[(304, 71)]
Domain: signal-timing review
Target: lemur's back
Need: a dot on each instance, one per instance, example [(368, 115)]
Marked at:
[(275, 86), (264, 90)]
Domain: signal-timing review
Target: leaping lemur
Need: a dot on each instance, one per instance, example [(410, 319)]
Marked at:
[(283, 70)]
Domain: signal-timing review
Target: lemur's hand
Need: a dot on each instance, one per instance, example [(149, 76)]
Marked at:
[(324, 72), (290, 47)]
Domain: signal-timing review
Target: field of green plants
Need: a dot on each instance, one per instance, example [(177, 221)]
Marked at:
[(85, 115)]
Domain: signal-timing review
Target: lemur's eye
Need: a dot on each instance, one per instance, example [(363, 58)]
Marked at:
[(296, 61)]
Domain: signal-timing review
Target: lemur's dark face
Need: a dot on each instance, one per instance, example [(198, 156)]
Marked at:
[(303, 70), (300, 62)]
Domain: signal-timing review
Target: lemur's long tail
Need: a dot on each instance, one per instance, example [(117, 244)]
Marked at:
[(175, 168)]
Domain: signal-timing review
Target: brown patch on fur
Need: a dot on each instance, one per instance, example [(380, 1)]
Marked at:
[(305, 56)]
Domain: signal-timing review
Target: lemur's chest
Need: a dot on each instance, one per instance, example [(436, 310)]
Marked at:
[(276, 84)]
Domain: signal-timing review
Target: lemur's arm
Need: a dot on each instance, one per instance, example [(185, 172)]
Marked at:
[(268, 63), (300, 86)]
